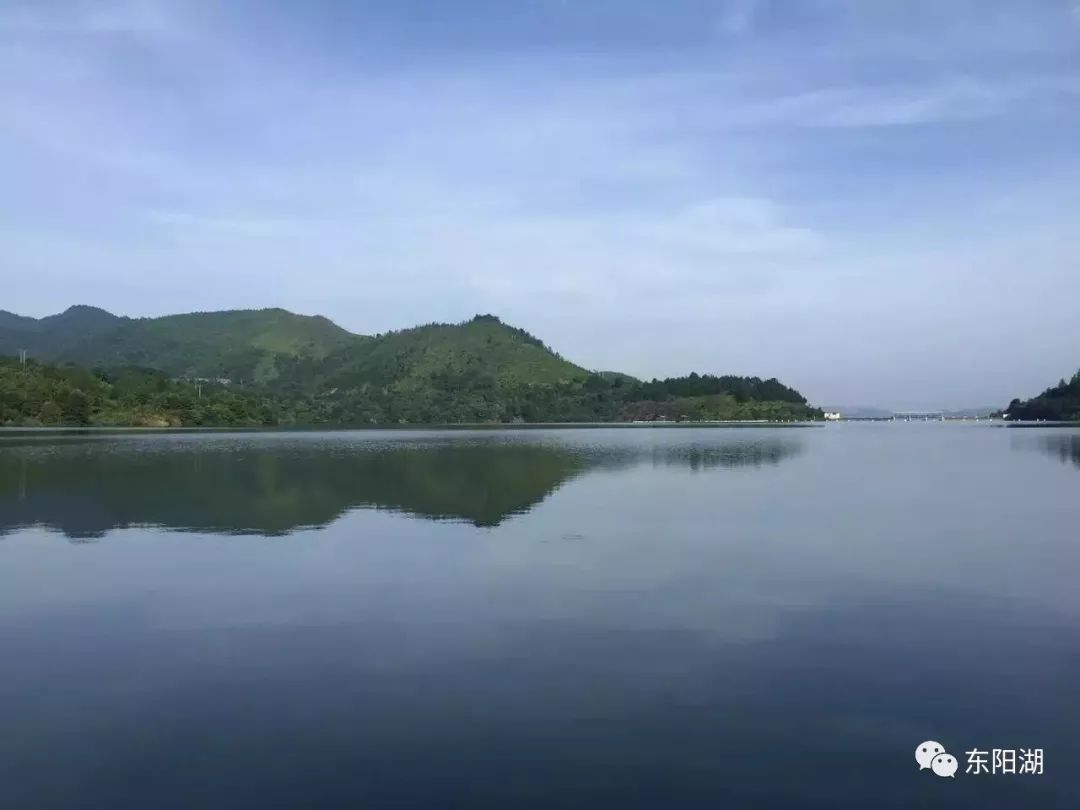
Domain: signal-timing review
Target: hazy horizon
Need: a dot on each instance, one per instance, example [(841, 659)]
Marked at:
[(873, 202)]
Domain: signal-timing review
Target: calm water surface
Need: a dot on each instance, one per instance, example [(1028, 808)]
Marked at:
[(653, 618)]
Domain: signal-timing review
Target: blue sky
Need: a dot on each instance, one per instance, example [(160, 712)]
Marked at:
[(875, 200)]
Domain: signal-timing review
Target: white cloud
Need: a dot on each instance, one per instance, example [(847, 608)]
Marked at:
[(726, 244)]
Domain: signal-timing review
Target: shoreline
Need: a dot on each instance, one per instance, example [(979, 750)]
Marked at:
[(79, 429)]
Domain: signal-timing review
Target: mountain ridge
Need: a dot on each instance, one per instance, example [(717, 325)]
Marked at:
[(308, 370), (235, 344)]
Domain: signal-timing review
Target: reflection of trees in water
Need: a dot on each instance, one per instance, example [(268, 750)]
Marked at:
[(698, 456), (265, 489), (1066, 448), (273, 486), (746, 454)]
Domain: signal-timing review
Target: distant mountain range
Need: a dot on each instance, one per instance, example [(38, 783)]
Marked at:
[(306, 369)]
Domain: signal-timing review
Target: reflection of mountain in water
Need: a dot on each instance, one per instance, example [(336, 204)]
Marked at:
[(273, 486), (1066, 448)]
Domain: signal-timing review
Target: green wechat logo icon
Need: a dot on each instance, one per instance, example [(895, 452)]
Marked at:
[(933, 755)]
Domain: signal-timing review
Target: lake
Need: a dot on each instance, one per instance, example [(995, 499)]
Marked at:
[(593, 618)]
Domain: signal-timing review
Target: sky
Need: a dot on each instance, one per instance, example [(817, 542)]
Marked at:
[(876, 201)]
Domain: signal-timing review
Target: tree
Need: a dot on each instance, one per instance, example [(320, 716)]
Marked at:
[(76, 410), (50, 413)]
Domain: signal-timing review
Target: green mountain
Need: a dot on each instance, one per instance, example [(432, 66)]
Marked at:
[(56, 335), (1058, 404), (274, 367), (469, 372), (246, 345), (452, 355)]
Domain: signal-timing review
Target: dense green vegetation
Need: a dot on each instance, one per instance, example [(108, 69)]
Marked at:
[(590, 399), (726, 407), (36, 394), (1059, 404), (270, 367), (743, 389)]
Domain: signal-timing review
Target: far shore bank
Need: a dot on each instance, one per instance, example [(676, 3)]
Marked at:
[(16, 429)]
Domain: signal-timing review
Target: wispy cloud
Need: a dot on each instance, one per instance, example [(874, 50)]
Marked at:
[(951, 100)]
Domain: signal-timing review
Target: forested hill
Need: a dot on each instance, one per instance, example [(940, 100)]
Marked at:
[(1058, 404), (239, 345), (478, 351), (275, 367), (56, 335)]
